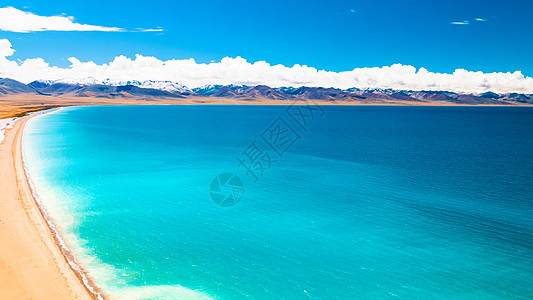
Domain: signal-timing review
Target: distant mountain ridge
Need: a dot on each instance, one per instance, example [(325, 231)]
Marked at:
[(101, 90), (168, 86), (10, 86), (147, 90)]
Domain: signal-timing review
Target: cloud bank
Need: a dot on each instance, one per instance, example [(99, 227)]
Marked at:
[(239, 71), (14, 20)]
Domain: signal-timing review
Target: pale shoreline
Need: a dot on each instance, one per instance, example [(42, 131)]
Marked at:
[(34, 265), (78, 269)]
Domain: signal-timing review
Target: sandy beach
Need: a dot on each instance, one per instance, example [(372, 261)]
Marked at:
[(32, 265)]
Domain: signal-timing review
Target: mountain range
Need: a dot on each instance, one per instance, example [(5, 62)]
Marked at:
[(148, 90)]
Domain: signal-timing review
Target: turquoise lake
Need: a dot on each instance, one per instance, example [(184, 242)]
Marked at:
[(336, 202)]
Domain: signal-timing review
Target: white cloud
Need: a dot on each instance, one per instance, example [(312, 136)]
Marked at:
[(239, 71), (460, 23), (152, 30), (466, 22), (5, 48), (12, 19)]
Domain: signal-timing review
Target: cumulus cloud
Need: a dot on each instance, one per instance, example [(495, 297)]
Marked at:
[(239, 71), (5, 48), (481, 20), (12, 19)]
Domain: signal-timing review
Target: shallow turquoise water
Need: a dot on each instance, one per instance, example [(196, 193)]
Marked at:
[(368, 202)]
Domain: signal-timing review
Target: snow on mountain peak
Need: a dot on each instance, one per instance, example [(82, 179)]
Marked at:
[(168, 86)]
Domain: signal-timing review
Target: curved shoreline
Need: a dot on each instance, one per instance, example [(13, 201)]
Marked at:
[(36, 264), (67, 253)]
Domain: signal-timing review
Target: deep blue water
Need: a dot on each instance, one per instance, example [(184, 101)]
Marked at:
[(363, 202)]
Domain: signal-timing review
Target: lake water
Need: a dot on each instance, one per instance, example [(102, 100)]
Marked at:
[(336, 202)]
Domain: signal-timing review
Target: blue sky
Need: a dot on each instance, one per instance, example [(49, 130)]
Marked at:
[(330, 35)]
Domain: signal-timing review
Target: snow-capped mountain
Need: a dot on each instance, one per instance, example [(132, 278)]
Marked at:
[(168, 86), (150, 90)]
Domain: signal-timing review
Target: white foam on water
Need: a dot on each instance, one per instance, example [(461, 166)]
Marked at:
[(52, 225), (62, 214), (162, 292)]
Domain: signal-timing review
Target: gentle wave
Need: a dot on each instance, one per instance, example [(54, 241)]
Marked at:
[(88, 267), (51, 224), (363, 207), (162, 292)]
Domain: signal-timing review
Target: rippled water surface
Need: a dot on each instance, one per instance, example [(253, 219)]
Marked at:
[(355, 203)]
